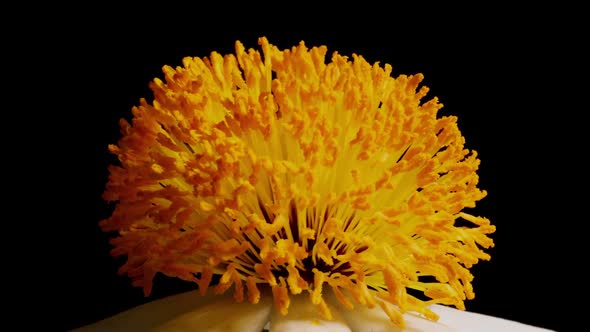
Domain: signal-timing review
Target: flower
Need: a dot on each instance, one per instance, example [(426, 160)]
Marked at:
[(282, 176)]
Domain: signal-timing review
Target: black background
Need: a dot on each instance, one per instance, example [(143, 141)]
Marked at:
[(509, 82)]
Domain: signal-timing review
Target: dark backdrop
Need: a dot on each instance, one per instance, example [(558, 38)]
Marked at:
[(494, 73)]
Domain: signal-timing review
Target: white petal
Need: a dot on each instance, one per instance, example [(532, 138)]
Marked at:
[(303, 316), (464, 321), (189, 312), (374, 319), (225, 315), (362, 319), (192, 312)]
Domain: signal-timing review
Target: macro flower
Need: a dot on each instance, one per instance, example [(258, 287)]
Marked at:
[(311, 187)]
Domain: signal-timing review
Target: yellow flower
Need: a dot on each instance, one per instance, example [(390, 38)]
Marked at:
[(285, 176)]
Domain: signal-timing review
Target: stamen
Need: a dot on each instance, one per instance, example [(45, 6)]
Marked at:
[(281, 169)]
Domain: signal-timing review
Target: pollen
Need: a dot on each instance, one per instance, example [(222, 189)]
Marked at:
[(298, 172)]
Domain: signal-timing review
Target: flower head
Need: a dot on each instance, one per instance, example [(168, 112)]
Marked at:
[(285, 172)]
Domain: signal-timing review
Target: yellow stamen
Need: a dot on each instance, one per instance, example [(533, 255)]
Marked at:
[(285, 171)]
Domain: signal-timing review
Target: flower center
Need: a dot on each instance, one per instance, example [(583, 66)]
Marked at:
[(328, 265)]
